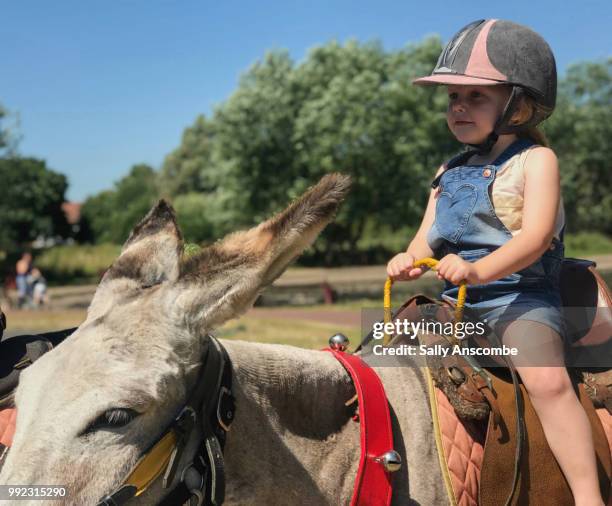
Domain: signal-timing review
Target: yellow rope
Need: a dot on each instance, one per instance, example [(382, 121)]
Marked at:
[(428, 262)]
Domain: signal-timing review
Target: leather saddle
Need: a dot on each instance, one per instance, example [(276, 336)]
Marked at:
[(16, 353), (530, 476), (587, 308)]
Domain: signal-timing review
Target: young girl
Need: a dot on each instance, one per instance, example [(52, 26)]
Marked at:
[(495, 219)]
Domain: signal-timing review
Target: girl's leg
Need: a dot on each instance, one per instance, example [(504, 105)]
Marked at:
[(566, 426)]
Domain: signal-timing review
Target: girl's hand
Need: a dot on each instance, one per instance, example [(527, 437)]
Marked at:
[(455, 269), (400, 268)]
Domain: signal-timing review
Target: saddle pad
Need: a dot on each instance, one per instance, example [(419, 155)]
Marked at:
[(606, 422), (460, 448), (7, 425), (461, 444)]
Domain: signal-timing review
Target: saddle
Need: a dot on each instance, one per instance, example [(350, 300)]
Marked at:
[(518, 467), (17, 353), (587, 304)]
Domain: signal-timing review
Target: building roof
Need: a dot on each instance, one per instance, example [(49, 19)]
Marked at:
[(72, 210)]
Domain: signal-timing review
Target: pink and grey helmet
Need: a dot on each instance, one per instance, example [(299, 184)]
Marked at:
[(490, 52)]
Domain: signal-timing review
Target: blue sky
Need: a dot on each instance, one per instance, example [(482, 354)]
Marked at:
[(100, 86)]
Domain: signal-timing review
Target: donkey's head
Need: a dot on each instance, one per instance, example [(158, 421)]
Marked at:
[(88, 409)]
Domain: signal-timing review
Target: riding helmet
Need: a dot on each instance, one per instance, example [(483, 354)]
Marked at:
[(491, 52)]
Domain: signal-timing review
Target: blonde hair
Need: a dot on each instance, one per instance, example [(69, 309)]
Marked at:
[(525, 109)]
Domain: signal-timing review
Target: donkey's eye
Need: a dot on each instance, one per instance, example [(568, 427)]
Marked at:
[(112, 418), (118, 417)]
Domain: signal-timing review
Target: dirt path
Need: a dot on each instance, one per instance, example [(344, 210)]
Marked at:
[(297, 280)]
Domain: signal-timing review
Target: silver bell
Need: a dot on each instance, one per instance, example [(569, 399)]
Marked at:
[(391, 461), (338, 342)]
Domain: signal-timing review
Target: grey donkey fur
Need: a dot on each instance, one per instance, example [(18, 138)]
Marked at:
[(292, 441)]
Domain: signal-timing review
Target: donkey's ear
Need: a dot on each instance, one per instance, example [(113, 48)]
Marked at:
[(152, 253), (224, 280)]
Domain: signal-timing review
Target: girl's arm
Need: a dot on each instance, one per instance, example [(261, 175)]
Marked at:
[(400, 267), (540, 206), (418, 247)]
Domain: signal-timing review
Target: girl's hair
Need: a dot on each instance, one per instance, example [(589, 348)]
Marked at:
[(525, 110)]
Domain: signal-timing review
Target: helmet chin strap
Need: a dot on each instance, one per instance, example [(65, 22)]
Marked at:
[(502, 125)]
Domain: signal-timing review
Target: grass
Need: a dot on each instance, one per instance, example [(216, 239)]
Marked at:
[(303, 333), (43, 320), (76, 264), (587, 243)]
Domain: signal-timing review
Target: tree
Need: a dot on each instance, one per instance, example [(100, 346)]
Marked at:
[(193, 210), (580, 131), (351, 108), (111, 214), (347, 108), (4, 134), (185, 169), (31, 203), (9, 136)]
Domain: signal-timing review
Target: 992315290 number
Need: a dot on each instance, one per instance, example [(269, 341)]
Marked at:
[(32, 491)]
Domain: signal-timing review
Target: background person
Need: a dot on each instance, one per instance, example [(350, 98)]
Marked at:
[(23, 269), (39, 287)]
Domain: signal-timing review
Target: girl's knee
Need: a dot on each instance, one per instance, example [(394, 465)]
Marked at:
[(546, 383)]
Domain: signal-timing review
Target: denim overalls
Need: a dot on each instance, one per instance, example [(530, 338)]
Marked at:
[(466, 225)]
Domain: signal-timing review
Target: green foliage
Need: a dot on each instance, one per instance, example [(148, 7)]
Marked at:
[(30, 206), (583, 244), (192, 210), (349, 108), (191, 249), (112, 214), (185, 169), (76, 263), (580, 131), (3, 133)]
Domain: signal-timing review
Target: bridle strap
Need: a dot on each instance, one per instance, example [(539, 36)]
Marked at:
[(197, 476), (203, 475)]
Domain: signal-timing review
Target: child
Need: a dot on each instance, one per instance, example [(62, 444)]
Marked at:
[(39, 288), (495, 219), (23, 269)]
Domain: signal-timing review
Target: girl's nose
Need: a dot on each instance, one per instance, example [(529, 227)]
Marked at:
[(457, 105)]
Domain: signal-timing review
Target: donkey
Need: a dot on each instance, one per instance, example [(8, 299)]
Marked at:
[(89, 408)]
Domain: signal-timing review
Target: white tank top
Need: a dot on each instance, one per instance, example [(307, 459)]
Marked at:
[(507, 193)]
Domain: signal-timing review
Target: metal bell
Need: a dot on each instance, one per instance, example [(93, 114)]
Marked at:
[(338, 342), (391, 461)]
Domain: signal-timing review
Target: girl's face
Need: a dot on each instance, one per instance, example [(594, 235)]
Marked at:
[(473, 110)]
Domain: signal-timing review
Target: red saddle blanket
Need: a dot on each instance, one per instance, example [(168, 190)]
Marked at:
[(7, 425)]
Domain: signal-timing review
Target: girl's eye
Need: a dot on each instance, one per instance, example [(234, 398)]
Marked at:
[(476, 94), (452, 96)]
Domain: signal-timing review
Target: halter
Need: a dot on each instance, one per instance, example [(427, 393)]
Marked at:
[(197, 475)]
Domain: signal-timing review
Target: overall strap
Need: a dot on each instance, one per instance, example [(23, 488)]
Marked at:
[(456, 161), (514, 148)]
